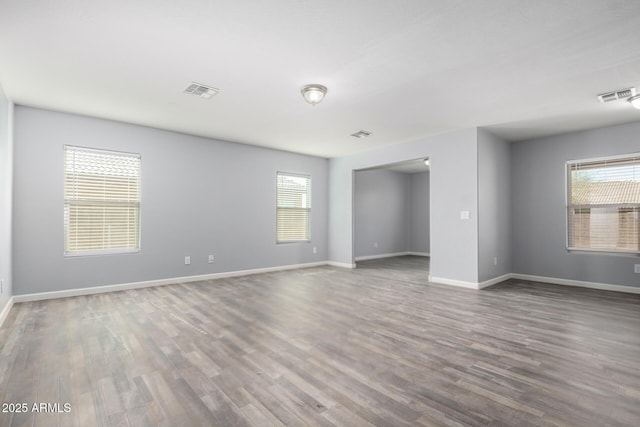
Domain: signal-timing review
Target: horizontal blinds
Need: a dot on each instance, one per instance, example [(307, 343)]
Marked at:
[(293, 210), (604, 204), (101, 201)]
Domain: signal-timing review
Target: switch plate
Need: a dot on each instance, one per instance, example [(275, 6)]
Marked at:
[(1, 286), (187, 260), (495, 260), (375, 244), (211, 259), (464, 215), (315, 250), (636, 268)]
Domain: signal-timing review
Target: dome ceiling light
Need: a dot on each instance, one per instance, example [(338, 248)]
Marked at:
[(313, 94)]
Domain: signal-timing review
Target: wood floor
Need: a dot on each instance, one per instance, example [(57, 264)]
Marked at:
[(326, 346)]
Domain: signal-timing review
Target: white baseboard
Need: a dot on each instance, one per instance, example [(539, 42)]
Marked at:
[(577, 283), (426, 254), (452, 282), (5, 311), (391, 255), (470, 285), (494, 281), (551, 280), (176, 280), (160, 282), (341, 264), (379, 256)]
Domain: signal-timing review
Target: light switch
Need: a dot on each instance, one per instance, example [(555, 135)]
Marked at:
[(464, 214)]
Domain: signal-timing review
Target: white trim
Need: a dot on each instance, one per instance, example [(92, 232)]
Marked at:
[(5, 311), (161, 282), (470, 285), (452, 282), (602, 159), (341, 264), (426, 254), (307, 209), (378, 256), (551, 280), (177, 280), (578, 283), (494, 281), (568, 187)]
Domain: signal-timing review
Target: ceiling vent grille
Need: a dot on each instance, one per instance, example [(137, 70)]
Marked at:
[(202, 91), (616, 95), (361, 134)]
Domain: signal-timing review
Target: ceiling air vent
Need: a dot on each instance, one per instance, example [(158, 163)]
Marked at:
[(618, 94), (361, 134), (203, 91)]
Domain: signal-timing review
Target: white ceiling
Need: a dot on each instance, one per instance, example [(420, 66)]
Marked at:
[(399, 69)]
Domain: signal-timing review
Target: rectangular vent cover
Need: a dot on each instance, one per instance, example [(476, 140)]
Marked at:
[(203, 91), (361, 134), (618, 94)]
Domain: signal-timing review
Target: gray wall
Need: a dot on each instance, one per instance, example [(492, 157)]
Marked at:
[(190, 208), (392, 209), (381, 213), (6, 174), (538, 206), (199, 197), (418, 224), (454, 187), (494, 206)]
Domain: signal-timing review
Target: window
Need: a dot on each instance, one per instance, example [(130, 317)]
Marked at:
[(101, 201), (293, 207), (603, 208)]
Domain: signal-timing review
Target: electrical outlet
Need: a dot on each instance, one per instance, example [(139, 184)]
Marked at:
[(636, 268), (211, 259), (187, 260), (315, 250), (464, 215), (375, 244), (495, 260)]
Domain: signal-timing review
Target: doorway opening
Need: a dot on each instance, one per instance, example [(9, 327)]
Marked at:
[(392, 219)]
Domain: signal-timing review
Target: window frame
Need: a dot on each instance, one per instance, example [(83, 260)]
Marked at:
[(309, 209), (569, 206), (66, 202)]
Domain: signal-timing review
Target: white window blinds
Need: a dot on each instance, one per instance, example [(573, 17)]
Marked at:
[(101, 201), (293, 194), (603, 209)]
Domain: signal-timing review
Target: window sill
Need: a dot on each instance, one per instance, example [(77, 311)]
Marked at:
[(101, 253), (632, 254)]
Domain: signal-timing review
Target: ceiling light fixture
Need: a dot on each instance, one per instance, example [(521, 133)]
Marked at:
[(635, 101), (313, 94)]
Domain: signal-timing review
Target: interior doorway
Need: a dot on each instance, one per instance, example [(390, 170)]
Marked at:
[(392, 215)]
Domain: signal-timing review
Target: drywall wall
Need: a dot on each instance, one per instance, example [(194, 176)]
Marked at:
[(454, 188), (538, 206), (418, 223), (391, 212), (381, 201), (6, 186), (199, 197), (494, 206)]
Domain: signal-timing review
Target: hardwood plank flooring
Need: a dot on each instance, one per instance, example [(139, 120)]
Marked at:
[(377, 345)]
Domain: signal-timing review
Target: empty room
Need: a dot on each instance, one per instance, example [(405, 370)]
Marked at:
[(336, 213)]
